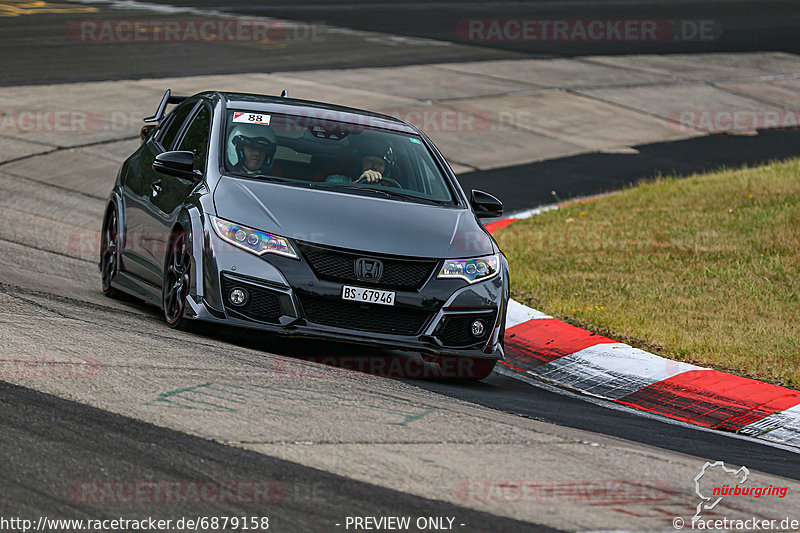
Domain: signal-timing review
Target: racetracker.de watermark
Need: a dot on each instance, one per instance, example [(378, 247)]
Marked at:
[(51, 367), (586, 30), (740, 524), (724, 120), (87, 243), (69, 121), (177, 492), (447, 120), (587, 492), (50, 120), (192, 31), (173, 492), (338, 366)]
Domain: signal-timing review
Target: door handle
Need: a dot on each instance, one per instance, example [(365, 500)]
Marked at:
[(156, 188)]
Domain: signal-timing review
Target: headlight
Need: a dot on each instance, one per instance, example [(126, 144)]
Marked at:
[(252, 240), (471, 270)]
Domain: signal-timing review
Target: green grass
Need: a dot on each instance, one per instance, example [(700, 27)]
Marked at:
[(704, 269)]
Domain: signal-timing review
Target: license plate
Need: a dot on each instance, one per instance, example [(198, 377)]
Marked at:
[(372, 296)]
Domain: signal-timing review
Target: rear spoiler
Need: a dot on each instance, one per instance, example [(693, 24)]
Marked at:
[(169, 98)]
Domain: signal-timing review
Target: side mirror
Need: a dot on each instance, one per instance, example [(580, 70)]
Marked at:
[(179, 164), (485, 205)]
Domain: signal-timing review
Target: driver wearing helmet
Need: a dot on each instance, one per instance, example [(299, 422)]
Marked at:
[(254, 146)]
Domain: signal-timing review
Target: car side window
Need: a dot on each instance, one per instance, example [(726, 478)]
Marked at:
[(163, 127), (196, 137), (176, 120)]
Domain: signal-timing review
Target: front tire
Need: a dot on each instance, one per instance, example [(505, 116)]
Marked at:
[(175, 286), (109, 252)]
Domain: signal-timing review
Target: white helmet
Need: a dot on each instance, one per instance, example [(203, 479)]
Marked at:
[(257, 135)]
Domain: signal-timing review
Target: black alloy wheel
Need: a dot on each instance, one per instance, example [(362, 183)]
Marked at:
[(176, 282), (109, 252)]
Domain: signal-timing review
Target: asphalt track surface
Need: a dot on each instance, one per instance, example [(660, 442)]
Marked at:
[(554, 180), (740, 25), (548, 404), (53, 447), (46, 441), (49, 48), (542, 403)]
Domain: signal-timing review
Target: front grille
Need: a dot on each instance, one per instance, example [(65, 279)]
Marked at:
[(364, 317), (337, 265), (456, 330), (262, 305)]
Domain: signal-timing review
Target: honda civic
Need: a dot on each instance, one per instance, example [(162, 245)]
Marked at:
[(306, 219)]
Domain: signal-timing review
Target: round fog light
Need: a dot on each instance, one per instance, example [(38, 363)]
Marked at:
[(238, 296), (478, 327)]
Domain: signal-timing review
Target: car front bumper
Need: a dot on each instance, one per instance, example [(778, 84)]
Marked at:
[(286, 287)]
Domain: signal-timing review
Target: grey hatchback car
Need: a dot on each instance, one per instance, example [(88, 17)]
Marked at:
[(306, 219)]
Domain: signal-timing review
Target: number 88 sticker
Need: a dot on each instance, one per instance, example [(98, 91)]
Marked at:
[(251, 118)]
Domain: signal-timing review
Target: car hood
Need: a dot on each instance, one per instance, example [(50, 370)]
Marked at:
[(352, 221)]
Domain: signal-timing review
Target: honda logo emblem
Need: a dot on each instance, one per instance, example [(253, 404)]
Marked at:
[(369, 269)]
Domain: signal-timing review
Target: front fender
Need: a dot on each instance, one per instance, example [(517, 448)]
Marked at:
[(191, 221)]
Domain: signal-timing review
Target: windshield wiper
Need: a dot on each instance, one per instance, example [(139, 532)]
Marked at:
[(398, 194), (262, 177), (388, 193)]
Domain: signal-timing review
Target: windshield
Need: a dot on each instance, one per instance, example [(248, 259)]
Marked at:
[(324, 153)]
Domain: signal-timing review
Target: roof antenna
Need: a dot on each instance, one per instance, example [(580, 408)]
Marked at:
[(284, 94)]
